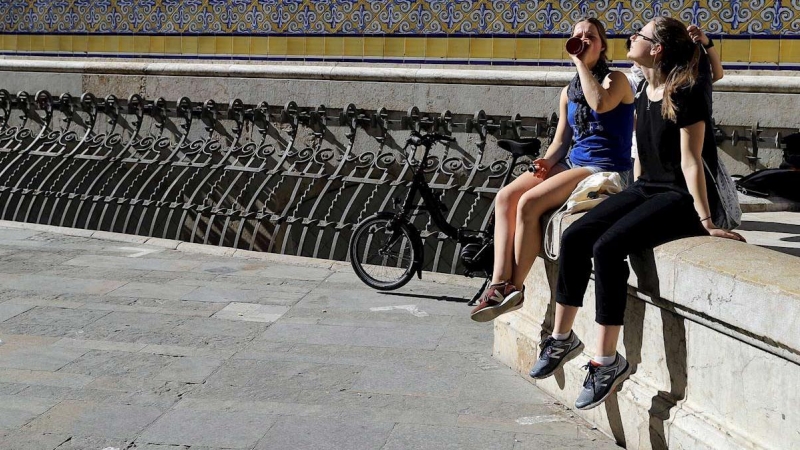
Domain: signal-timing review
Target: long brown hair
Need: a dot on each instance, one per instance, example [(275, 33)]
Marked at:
[(601, 31), (679, 61)]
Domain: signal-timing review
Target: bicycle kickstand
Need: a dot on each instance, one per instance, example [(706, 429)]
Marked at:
[(475, 298)]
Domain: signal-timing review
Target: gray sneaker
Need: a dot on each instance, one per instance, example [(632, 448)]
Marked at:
[(601, 381), (554, 354)]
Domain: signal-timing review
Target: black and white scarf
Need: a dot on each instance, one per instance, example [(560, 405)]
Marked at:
[(575, 94)]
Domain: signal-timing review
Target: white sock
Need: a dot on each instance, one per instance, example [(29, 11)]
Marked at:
[(561, 336), (605, 360)]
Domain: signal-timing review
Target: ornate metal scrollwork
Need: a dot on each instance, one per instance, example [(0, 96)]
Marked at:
[(289, 179)]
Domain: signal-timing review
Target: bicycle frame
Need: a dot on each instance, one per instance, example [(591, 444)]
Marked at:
[(432, 204)]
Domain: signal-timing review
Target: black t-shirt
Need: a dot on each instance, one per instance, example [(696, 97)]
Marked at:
[(659, 140)]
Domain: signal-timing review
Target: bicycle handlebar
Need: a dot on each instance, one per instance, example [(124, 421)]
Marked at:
[(429, 138)]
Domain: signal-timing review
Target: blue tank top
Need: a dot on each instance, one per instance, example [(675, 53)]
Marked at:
[(607, 144)]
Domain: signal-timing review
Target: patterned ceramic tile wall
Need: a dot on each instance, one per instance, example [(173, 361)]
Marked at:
[(464, 31)]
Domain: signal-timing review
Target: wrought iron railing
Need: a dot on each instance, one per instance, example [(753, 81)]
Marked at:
[(285, 179), (291, 179)]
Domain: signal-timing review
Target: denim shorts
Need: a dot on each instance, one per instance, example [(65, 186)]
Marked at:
[(566, 164)]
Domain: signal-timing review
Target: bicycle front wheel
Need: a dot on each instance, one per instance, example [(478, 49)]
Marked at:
[(382, 253)]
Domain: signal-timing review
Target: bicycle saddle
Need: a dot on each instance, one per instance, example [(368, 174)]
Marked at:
[(523, 147)]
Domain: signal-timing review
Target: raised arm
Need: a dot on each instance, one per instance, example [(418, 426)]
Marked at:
[(604, 97), (698, 36)]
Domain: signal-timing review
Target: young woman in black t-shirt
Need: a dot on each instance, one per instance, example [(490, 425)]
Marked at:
[(667, 202)]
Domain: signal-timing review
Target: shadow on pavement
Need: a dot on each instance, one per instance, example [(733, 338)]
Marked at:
[(444, 298)]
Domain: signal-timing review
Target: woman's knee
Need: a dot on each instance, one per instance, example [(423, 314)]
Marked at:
[(575, 239), (507, 199), (530, 207), (608, 247)]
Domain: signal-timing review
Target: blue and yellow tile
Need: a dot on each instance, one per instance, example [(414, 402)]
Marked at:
[(435, 47), (9, 43), (126, 44), (223, 45), (157, 45), (790, 51), (172, 45), (458, 48), (80, 44), (240, 45), (352, 47), (735, 50), (392, 29), (295, 46), (765, 50), (315, 46), (394, 47), (504, 48), (415, 47), (141, 44), (275, 46), (527, 48), (373, 46), (334, 47), (552, 48), (94, 44), (50, 43), (189, 45), (480, 48)]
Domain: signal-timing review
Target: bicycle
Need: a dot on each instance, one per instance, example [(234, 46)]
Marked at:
[(386, 249)]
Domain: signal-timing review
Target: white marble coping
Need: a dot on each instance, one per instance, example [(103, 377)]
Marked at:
[(779, 84), (744, 291)]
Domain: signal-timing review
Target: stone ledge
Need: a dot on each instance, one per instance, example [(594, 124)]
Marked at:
[(769, 204), (711, 330), (777, 84)]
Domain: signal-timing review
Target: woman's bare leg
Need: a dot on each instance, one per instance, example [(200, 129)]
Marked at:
[(565, 318), (547, 195), (607, 338), (505, 221)]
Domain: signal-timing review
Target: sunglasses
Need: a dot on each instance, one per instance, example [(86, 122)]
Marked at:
[(638, 35)]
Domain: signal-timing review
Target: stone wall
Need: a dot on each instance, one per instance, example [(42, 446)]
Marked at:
[(764, 105), (712, 341), (750, 35)]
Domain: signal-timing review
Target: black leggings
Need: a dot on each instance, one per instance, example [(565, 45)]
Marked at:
[(636, 219)]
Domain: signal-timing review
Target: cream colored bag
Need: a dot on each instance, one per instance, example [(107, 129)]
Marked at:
[(590, 191)]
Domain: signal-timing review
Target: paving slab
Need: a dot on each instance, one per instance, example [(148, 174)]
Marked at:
[(418, 336), (243, 429), (41, 358), (142, 263), (109, 345), (422, 437), (119, 422), (39, 283), (249, 312), (49, 321), (9, 310), (300, 433), (189, 369), (16, 411)]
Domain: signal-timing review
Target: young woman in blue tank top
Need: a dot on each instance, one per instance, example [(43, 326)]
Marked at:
[(596, 120)]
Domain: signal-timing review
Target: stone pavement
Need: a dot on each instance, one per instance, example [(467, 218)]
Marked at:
[(120, 345), (779, 231)]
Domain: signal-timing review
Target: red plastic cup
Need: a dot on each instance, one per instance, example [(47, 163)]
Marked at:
[(575, 46)]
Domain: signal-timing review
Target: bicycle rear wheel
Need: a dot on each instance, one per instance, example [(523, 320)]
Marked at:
[(382, 253)]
